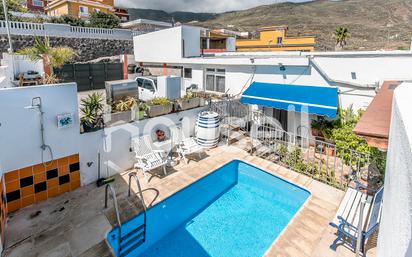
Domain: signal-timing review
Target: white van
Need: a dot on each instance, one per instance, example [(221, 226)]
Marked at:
[(147, 88)]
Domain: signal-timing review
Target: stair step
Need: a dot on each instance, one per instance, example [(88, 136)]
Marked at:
[(136, 237), (132, 233), (125, 252)]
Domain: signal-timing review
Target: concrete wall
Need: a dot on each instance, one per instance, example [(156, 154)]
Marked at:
[(369, 70), (113, 143), (159, 46), (21, 64), (395, 232), (20, 128), (191, 39), (239, 77)]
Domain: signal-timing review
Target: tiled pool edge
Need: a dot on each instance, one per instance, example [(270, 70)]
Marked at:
[(215, 162), (296, 215)]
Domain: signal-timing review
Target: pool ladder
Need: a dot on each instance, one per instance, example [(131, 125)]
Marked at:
[(136, 236)]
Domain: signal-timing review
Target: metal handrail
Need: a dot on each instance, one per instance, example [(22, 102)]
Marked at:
[(133, 174), (113, 193)]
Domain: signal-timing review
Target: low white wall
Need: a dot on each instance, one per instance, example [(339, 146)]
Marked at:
[(16, 64), (63, 30), (395, 232), (113, 143), (20, 139)]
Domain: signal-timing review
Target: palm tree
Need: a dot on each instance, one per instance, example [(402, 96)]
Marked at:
[(52, 57), (341, 34)]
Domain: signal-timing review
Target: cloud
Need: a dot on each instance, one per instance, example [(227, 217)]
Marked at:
[(197, 5)]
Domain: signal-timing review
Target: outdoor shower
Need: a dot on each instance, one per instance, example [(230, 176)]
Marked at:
[(36, 105)]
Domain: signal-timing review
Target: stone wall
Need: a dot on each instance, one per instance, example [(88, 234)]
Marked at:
[(86, 48)]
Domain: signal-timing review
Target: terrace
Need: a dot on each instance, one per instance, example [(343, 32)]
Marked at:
[(76, 223)]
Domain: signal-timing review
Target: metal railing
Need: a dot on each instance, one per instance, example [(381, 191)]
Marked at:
[(263, 136), (134, 175), (113, 193)]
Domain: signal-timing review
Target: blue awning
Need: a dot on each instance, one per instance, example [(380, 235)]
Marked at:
[(310, 99)]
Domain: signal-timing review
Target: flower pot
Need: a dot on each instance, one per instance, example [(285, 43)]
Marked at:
[(141, 115), (330, 151), (118, 118), (186, 104), (158, 110)]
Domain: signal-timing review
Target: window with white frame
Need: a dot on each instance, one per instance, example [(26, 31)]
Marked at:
[(38, 3), (83, 11), (215, 80), (96, 9)]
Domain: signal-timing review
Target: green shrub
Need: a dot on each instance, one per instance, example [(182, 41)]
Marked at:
[(159, 101), (68, 19), (104, 20)]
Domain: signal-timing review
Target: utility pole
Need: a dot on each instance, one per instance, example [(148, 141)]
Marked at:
[(6, 18), (10, 50)]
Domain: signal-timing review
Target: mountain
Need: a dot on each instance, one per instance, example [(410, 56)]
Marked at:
[(159, 15), (373, 24)]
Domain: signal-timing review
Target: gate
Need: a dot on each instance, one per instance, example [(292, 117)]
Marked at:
[(89, 76)]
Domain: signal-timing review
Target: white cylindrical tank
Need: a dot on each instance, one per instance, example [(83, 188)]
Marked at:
[(208, 129)]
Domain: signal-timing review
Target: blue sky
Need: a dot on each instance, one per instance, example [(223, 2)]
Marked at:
[(197, 5)]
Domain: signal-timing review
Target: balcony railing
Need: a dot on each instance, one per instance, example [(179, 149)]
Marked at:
[(64, 30), (324, 161)]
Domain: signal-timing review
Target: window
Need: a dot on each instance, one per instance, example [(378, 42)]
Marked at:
[(147, 84), (96, 9), (279, 40), (83, 11), (187, 73), (215, 80), (353, 75), (38, 3), (139, 82)]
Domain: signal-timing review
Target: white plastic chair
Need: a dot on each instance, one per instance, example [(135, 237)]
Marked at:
[(147, 156), (185, 145)]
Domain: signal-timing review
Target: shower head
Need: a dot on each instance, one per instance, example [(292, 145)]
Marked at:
[(35, 104)]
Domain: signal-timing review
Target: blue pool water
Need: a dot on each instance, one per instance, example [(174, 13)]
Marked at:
[(238, 210)]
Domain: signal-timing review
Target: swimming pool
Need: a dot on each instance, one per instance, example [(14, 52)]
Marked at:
[(237, 210)]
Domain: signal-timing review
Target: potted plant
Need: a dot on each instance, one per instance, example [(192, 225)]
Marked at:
[(122, 111), (159, 106), (189, 101), (92, 112), (141, 110), (160, 134)]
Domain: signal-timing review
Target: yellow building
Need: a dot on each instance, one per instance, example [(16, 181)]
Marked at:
[(275, 39), (78, 8)]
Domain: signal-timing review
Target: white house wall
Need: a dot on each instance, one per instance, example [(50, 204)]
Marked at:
[(191, 41), (20, 139), (395, 231), (238, 78), (160, 46), (113, 143), (20, 128), (369, 70)]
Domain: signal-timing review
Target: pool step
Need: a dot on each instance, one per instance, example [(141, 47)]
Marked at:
[(132, 240), (125, 252)]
